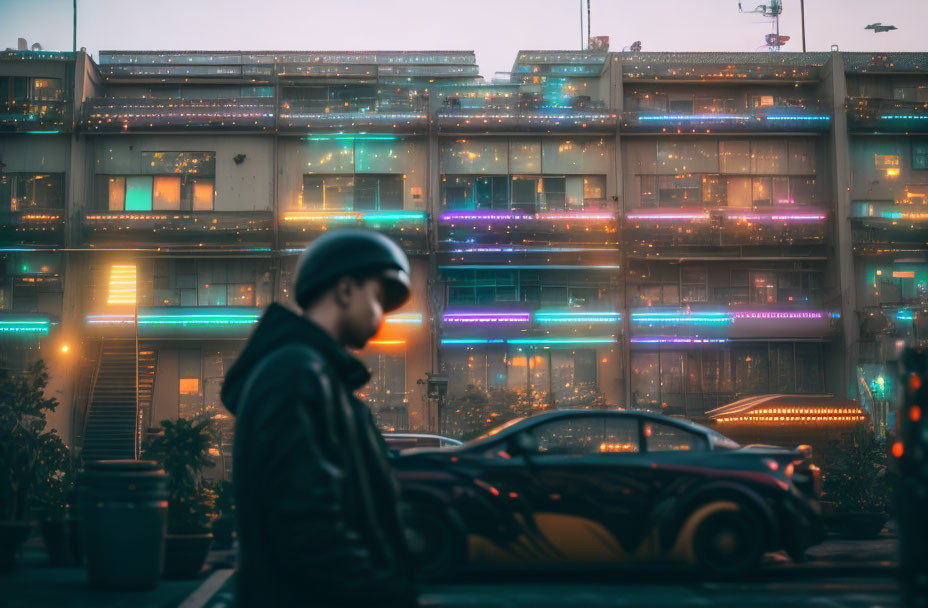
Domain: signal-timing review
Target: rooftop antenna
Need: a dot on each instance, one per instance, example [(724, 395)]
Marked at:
[(588, 24), (581, 25), (771, 11)]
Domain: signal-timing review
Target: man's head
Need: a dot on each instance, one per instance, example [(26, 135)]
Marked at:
[(347, 279)]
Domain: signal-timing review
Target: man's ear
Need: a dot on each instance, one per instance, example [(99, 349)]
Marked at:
[(343, 290)]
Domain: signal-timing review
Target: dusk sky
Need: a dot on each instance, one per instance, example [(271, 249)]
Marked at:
[(495, 29)]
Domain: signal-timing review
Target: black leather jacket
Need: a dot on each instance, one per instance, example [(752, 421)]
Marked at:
[(316, 499)]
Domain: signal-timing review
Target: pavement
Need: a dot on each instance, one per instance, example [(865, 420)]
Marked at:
[(839, 573)]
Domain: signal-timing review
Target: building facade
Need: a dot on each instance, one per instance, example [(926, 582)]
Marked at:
[(661, 231)]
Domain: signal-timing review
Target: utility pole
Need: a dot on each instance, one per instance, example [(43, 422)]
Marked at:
[(587, 23), (802, 10), (74, 39), (581, 24)]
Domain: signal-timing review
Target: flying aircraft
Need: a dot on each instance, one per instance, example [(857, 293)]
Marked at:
[(879, 27)]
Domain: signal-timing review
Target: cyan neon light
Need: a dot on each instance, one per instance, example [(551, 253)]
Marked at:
[(558, 318), (405, 318), (25, 326), (199, 319), (904, 117), (41, 132), (394, 216), (681, 317), (676, 340), (469, 341), (354, 216), (806, 118), (899, 215), (352, 136)]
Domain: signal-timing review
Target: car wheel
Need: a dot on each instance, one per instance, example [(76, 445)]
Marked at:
[(728, 543), (435, 544)]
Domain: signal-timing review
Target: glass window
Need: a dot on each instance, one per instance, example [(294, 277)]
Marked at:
[(525, 156), (687, 157), (739, 192), (809, 368), (801, 156), (475, 156), (751, 370), (735, 156), (679, 190), (694, 285), (920, 155), (764, 287), (802, 191), (645, 380), (329, 156), (574, 157), (647, 188), (762, 191), (491, 192), (525, 193), (138, 193), (555, 193), (328, 192), (380, 156), (888, 164), (166, 193), (783, 372), (594, 188), (203, 192), (769, 156), (781, 195), (660, 437), (583, 435), (713, 191)]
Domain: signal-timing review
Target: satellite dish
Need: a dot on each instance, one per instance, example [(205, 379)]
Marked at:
[(36, 46)]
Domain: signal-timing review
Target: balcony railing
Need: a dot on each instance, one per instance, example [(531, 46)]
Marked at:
[(386, 114), (886, 116), (699, 324), (35, 117), (408, 227), (145, 114), (526, 112), (178, 228), (718, 67), (885, 222), (782, 119), (33, 227), (663, 227)]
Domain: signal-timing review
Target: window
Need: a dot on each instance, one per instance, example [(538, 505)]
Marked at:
[(920, 155), (491, 192), (328, 191), (355, 192), (735, 156), (679, 190), (25, 191), (763, 287), (888, 164), (660, 437), (374, 192), (171, 181), (694, 285), (207, 283), (583, 435)]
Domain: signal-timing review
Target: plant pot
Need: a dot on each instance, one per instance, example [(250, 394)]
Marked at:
[(123, 511), (185, 554), (858, 526), (63, 542), (224, 532), (12, 536)]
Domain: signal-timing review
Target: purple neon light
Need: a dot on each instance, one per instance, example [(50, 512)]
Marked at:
[(518, 216), (778, 315), (486, 318), (676, 340)]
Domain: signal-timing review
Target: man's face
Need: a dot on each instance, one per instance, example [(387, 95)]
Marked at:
[(362, 311)]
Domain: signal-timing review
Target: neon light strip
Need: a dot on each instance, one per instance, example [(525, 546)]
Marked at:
[(41, 132), (674, 340), (658, 317), (25, 326), (405, 318), (352, 136), (518, 216), (795, 217), (195, 319), (577, 317), (899, 215), (387, 342), (694, 117), (526, 341), (109, 319), (527, 267), (818, 118), (394, 216), (528, 249), (779, 315), (668, 216), (904, 117), (354, 216), (471, 318)]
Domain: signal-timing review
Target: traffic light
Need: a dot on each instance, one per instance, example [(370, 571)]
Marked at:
[(909, 451)]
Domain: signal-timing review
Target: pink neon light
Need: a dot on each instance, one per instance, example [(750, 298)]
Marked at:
[(507, 216), (486, 317), (759, 314), (668, 216)]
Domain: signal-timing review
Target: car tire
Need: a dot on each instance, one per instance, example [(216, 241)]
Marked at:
[(436, 545), (728, 543)]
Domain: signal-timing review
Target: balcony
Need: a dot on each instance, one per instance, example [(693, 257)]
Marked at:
[(469, 231), (187, 230), (33, 227), (523, 326), (663, 227), (25, 325), (111, 115), (886, 116), (35, 117), (705, 325), (390, 115), (719, 67), (205, 322), (406, 227), (809, 119), (525, 113), (876, 224)]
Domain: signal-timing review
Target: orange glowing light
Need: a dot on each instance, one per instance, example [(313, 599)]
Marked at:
[(898, 449), (915, 382), (915, 414)]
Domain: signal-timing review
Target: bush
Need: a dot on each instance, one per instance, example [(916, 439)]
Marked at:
[(858, 481)]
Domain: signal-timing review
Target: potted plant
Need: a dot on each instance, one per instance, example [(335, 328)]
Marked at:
[(54, 501), (224, 526), (859, 487), (183, 449), (23, 410)]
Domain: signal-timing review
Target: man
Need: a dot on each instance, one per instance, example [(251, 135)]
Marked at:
[(316, 498)]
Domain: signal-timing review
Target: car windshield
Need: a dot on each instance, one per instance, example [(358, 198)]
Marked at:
[(498, 429)]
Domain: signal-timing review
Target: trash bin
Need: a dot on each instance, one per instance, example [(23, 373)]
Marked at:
[(123, 507)]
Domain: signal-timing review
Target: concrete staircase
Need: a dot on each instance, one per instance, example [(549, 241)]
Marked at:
[(111, 418)]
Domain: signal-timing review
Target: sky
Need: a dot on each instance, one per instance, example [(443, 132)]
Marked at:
[(495, 29)]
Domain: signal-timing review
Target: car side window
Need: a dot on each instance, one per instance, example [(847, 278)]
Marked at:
[(584, 435), (662, 437)]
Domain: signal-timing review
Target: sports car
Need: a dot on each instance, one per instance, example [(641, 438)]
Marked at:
[(597, 487)]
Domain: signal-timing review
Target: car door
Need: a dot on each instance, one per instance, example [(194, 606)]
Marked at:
[(581, 495)]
